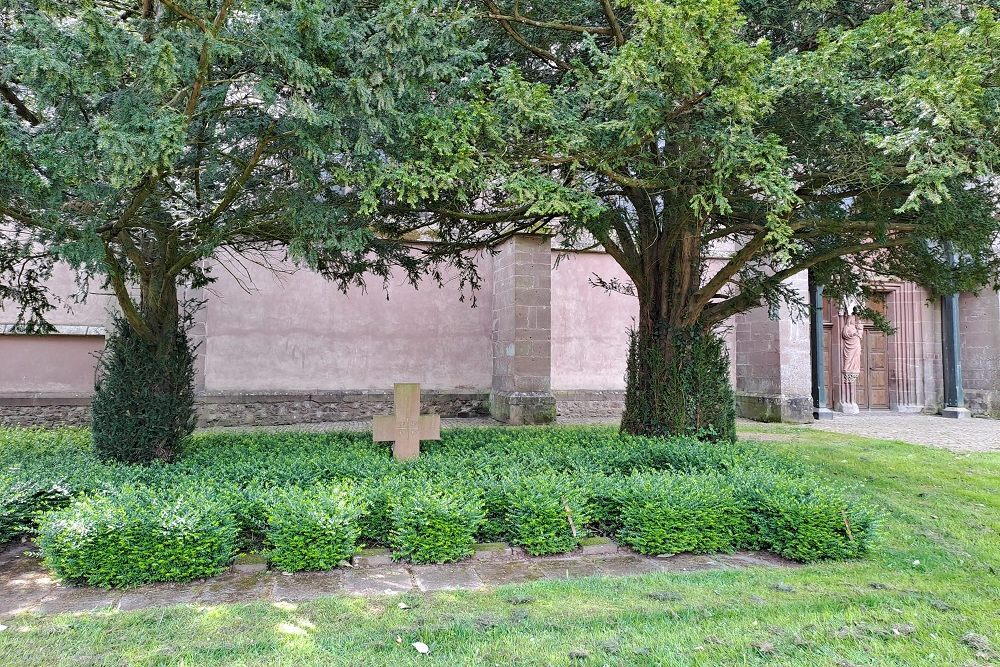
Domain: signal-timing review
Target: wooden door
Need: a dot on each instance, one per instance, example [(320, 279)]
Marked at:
[(873, 382), (876, 367)]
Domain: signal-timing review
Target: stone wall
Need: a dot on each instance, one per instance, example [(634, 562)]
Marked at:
[(541, 342), (272, 409), (980, 338), (282, 408), (44, 411), (770, 358), (590, 403)]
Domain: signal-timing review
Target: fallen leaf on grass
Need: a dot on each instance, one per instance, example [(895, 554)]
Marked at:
[(903, 629), (664, 596)]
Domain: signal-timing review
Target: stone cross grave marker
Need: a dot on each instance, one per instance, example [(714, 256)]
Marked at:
[(407, 427)]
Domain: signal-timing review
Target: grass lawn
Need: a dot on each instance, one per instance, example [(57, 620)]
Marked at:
[(934, 578)]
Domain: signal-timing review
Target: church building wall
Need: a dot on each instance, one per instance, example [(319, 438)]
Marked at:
[(980, 334), (290, 347)]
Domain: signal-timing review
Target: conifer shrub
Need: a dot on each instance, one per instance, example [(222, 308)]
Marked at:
[(434, 524), (143, 405), (667, 514), (137, 535), (314, 528), (546, 514), (677, 383)]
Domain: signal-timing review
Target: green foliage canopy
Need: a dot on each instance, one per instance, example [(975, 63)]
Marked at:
[(857, 139), (138, 139)]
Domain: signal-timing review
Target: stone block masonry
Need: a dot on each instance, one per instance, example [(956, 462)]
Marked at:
[(522, 331)]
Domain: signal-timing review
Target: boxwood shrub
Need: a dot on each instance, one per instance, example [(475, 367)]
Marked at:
[(804, 519), (666, 514), (137, 535), (314, 528), (503, 484), (434, 524), (546, 514), (23, 500)]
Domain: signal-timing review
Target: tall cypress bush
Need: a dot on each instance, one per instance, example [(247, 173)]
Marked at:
[(677, 382), (143, 406)]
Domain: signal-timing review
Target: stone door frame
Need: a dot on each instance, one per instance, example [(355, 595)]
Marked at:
[(904, 354)]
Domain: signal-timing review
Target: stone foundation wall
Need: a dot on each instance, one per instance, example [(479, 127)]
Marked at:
[(765, 408), (279, 408), (273, 409), (255, 409), (16, 411), (983, 402), (590, 403)]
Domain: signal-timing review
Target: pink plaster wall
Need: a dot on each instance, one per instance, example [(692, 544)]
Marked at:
[(299, 332), (93, 312), (55, 364), (589, 325), (50, 364)]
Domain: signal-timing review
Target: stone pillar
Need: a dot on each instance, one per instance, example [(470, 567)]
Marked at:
[(980, 330), (954, 396), (771, 363), (821, 409), (522, 331)]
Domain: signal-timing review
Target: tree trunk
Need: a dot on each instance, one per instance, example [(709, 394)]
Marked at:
[(677, 382)]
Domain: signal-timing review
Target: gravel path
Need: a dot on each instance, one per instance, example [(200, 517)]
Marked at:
[(959, 435)]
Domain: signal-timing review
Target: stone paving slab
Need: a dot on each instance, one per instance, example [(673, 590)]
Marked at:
[(25, 587)]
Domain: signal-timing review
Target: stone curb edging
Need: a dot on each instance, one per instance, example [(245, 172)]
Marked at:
[(484, 551), (26, 587)]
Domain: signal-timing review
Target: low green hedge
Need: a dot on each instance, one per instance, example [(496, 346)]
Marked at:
[(507, 484), (546, 514), (313, 529), (22, 502), (667, 514), (138, 535), (804, 519), (434, 524)]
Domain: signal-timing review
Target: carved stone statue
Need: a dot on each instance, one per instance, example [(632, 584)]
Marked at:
[(851, 333)]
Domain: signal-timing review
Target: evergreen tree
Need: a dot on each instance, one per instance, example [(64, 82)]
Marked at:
[(141, 138), (715, 148)]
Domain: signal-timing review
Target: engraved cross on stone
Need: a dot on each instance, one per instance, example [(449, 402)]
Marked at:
[(407, 427)]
